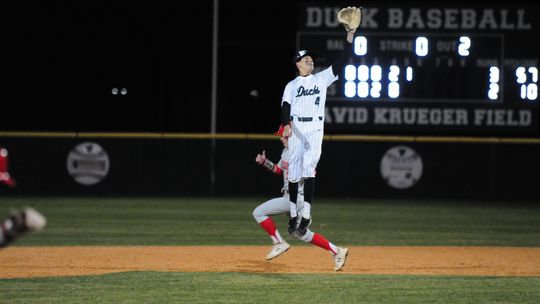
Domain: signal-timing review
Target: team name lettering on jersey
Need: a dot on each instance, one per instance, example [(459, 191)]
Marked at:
[(303, 92)]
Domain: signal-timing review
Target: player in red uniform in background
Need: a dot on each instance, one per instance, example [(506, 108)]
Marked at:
[(20, 221), (5, 177)]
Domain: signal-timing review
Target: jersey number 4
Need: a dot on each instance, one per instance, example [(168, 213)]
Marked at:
[(317, 100)]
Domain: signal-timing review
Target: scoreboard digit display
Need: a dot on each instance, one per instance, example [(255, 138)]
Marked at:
[(415, 69)]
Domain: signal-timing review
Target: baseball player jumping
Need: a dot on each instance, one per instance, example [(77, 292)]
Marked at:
[(280, 205), (302, 113)]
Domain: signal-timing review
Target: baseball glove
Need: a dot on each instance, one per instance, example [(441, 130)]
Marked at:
[(350, 17)]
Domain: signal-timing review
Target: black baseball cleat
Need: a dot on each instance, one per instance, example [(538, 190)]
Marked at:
[(292, 225), (302, 227)]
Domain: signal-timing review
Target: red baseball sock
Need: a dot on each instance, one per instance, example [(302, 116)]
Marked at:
[(320, 241), (270, 227)]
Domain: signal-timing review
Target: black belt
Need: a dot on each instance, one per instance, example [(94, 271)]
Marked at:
[(305, 118)]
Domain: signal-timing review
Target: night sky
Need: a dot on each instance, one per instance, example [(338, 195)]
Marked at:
[(69, 55)]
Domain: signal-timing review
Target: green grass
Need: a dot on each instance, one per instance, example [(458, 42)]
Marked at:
[(159, 287), (188, 221)]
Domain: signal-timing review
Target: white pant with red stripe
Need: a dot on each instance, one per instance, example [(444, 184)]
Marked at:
[(280, 205)]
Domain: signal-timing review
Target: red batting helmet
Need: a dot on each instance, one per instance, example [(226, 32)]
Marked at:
[(280, 131)]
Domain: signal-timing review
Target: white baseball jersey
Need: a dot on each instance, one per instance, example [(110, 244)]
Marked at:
[(307, 97)]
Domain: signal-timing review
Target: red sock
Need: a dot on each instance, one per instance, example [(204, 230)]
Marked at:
[(320, 241), (269, 226)]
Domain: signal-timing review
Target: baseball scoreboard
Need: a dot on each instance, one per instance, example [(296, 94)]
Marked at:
[(452, 69)]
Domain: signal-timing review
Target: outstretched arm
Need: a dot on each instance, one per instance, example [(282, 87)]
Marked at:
[(350, 17), (340, 63)]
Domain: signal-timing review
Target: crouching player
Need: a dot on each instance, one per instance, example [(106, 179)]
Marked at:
[(281, 205)]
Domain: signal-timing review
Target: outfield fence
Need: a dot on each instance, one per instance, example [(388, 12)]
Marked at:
[(193, 164)]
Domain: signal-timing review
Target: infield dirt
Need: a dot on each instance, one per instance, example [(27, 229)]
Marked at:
[(22, 262)]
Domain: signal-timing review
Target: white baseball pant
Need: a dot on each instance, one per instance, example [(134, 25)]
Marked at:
[(280, 205), (305, 147)]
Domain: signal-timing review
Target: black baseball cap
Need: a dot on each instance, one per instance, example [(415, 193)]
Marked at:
[(303, 53)]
